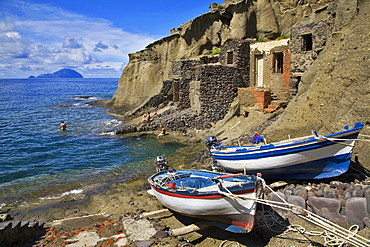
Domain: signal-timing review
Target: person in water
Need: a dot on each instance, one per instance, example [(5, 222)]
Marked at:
[(63, 126), (162, 133)]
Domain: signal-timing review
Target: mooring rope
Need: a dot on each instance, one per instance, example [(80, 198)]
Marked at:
[(342, 234), (340, 141)]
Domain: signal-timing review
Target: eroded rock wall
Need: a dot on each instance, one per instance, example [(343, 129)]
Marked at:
[(335, 91), (143, 76)]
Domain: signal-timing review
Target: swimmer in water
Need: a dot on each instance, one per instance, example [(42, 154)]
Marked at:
[(63, 126)]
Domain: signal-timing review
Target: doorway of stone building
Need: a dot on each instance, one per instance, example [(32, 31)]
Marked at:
[(176, 91), (259, 71)]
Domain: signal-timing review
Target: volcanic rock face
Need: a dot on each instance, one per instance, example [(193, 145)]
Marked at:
[(147, 69), (333, 92)]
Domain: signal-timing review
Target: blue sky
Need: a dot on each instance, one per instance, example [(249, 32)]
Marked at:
[(90, 36)]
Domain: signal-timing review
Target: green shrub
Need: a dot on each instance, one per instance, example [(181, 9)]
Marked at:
[(283, 37), (215, 51)]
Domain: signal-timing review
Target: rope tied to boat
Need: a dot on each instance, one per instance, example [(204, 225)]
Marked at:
[(340, 234), (340, 141)]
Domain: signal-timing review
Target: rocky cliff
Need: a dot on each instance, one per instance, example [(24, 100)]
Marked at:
[(333, 92), (147, 69)]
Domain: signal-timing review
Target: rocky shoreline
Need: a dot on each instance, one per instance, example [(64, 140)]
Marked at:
[(111, 216)]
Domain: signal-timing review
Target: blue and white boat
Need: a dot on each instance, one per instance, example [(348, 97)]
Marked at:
[(201, 194), (309, 157)]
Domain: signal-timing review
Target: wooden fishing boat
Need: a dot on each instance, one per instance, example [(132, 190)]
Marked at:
[(197, 194), (309, 157)]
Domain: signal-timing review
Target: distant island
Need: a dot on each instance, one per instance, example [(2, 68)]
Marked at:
[(63, 73)]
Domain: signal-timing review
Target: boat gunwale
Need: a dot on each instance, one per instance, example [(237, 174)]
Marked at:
[(319, 140), (249, 186), (200, 195)]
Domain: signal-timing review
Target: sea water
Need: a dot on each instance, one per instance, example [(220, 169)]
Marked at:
[(38, 160)]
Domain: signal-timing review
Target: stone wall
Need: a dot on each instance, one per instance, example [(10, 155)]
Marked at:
[(254, 97), (302, 58), (218, 88), (183, 72), (276, 76), (240, 53)]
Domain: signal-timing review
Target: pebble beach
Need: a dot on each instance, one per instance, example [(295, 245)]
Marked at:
[(111, 216)]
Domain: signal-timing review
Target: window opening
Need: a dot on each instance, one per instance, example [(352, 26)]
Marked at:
[(307, 42), (176, 91), (278, 62), (230, 57)]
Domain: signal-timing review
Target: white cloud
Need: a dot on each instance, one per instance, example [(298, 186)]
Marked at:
[(39, 38)]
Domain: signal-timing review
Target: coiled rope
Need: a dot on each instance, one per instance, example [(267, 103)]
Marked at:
[(340, 234)]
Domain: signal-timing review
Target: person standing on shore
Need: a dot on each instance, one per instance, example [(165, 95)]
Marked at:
[(62, 126)]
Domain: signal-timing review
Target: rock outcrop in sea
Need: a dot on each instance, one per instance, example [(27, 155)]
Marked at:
[(63, 73)]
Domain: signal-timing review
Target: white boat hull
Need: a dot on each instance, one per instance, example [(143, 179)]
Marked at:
[(315, 158), (211, 205)]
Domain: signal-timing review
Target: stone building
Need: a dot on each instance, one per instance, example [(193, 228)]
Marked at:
[(210, 84), (263, 75), (307, 41), (276, 66), (269, 76)]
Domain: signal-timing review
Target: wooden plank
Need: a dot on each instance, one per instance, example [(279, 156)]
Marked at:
[(155, 213), (190, 228), (81, 217)]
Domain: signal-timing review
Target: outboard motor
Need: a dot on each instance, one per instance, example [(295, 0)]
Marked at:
[(211, 141), (161, 164)]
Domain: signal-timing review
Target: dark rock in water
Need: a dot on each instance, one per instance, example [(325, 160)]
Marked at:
[(328, 208), (356, 209), (63, 73)]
